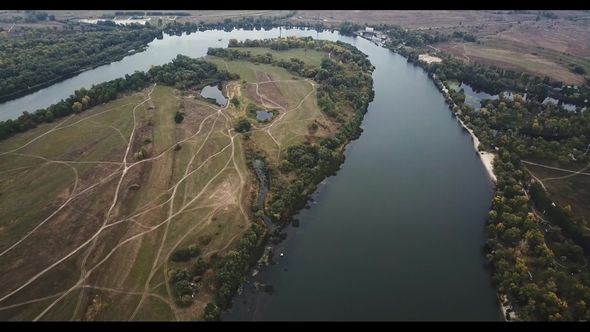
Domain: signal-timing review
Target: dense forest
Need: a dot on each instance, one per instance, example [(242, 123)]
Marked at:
[(182, 72), (28, 62)]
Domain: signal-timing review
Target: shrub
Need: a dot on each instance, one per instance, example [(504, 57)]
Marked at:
[(178, 275), (243, 125), (180, 255), (211, 312), (178, 117), (194, 250), (183, 287), (200, 266)]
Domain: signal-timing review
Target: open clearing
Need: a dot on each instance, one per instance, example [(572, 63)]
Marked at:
[(73, 228), (88, 229), (523, 58), (274, 88), (566, 188)]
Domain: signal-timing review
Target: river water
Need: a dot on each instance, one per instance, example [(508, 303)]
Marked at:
[(397, 234)]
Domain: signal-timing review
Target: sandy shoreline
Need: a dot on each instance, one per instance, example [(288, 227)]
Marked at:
[(487, 158)]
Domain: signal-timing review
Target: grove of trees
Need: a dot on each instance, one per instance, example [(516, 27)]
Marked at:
[(29, 62)]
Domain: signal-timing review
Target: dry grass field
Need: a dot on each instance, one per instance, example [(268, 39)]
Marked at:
[(88, 228), (84, 219)]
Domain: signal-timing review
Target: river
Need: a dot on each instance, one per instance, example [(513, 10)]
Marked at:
[(397, 234)]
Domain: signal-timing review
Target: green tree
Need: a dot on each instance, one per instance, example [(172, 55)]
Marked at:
[(243, 125), (178, 117), (183, 287), (194, 250), (211, 312), (200, 266), (48, 117), (77, 107), (178, 275), (180, 255)]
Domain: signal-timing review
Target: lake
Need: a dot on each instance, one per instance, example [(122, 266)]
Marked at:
[(397, 234)]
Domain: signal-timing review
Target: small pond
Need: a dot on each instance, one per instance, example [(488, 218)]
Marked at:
[(263, 115), (213, 92)]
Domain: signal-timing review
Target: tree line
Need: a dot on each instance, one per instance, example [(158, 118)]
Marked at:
[(522, 251), (138, 13), (182, 72)]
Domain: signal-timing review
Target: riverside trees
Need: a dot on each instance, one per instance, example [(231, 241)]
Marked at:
[(183, 70)]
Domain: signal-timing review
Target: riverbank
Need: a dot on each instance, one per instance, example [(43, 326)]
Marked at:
[(487, 158)]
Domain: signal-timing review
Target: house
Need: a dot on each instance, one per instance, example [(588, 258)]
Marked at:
[(369, 32)]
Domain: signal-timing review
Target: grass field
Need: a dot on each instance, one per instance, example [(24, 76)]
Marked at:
[(520, 57), (274, 88), (72, 229), (92, 240)]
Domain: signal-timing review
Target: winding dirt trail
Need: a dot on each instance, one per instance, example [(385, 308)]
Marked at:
[(123, 169)]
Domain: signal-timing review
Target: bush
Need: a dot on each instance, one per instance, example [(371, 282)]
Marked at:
[(579, 70), (200, 266), (194, 250), (255, 207), (235, 101), (183, 287), (185, 299), (211, 312), (178, 117), (179, 275), (243, 125), (181, 255)]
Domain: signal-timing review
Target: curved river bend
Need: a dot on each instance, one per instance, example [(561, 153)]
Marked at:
[(396, 235)]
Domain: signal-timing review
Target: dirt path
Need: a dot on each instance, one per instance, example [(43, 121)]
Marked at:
[(125, 167), (85, 271), (171, 213), (106, 179), (120, 291), (57, 127), (559, 169), (155, 265), (465, 53), (267, 128)]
